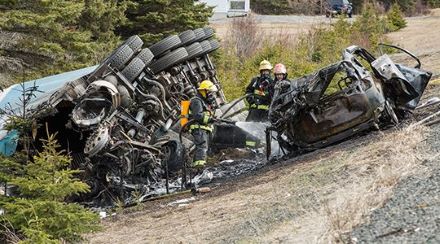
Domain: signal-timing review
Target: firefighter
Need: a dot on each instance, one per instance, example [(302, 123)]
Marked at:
[(260, 92), (282, 85), (201, 112), (281, 81)]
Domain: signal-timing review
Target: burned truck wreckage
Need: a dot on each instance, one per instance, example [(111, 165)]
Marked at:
[(120, 121), (307, 114)]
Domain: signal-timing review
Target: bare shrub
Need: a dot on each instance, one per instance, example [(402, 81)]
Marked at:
[(420, 8), (306, 7), (244, 37), (8, 235), (284, 38)]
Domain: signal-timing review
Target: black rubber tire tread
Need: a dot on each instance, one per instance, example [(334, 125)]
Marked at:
[(209, 32), (120, 57), (165, 44), (134, 42), (145, 55), (169, 60), (214, 45), (133, 69), (194, 50), (206, 45), (187, 37), (200, 34)]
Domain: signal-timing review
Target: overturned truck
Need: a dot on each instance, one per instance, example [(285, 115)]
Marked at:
[(120, 122), (358, 93)]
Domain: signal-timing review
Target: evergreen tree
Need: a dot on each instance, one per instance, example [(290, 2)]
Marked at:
[(406, 6), (395, 19), (153, 20), (64, 34), (38, 213)]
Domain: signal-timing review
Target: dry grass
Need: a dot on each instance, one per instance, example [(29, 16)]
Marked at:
[(435, 82), (375, 170), (319, 201), (335, 193)]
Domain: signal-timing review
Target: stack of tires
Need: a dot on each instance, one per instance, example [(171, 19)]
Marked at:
[(182, 47), (131, 59)]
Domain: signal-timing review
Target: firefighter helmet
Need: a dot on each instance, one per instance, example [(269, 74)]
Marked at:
[(265, 65), (208, 86), (279, 69)]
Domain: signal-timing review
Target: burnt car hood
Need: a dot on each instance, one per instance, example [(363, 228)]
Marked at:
[(402, 84), (406, 84)]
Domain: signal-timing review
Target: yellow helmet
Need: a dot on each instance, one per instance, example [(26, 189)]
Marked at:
[(265, 65), (207, 85)]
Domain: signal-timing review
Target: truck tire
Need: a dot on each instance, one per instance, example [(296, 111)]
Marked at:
[(209, 32), (120, 57), (174, 157), (165, 44), (194, 50), (214, 45), (187, 37), (134, 42), (145, 55), (206, 45), (200, 34), (133, 69), (169, 60)]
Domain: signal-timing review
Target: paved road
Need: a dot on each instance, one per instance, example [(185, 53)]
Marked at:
[(290, 25), (219, 18)]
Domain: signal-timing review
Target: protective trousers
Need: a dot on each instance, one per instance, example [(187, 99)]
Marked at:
[(201, 140)]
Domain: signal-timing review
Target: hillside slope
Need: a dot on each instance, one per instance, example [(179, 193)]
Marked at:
[(319, 197)]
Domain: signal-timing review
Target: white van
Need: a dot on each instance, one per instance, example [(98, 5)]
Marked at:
[(232, 8)]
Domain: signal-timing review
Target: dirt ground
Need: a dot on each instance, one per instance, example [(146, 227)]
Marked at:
[(291, 25), (422, 37), (315, 198)]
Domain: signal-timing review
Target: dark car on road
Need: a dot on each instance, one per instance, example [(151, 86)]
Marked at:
[(339, 7)]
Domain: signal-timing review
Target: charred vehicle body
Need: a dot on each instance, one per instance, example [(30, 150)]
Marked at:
[(120, 120), (307, 114)]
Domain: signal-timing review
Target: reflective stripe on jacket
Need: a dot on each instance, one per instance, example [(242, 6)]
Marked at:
[(262, 107), (200, 113)]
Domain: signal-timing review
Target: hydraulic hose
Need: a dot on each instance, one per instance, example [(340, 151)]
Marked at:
[(184, 129), (189, 123), (162, 90), (235, 103)]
